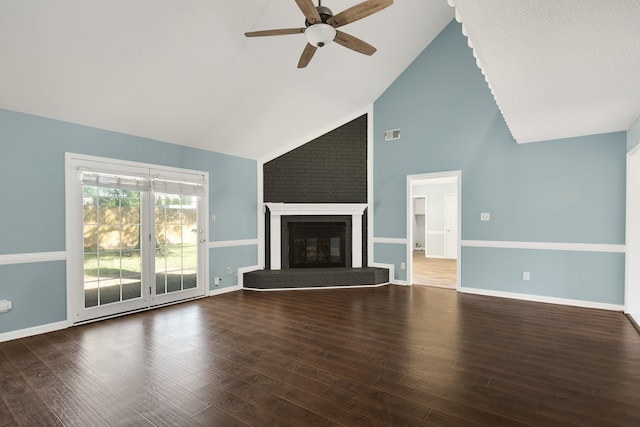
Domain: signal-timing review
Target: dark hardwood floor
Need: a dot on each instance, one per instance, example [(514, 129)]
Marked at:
[(389, 356)]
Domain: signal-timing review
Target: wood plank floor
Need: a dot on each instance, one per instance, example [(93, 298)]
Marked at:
[(436, 272), (388, 356)]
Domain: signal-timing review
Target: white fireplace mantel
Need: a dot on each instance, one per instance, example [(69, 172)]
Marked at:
[(277, 210)]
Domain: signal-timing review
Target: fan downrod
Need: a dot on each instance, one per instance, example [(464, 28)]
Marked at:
[(324, 12)]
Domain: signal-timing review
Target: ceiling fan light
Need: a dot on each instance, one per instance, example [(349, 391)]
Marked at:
[(320, 34)]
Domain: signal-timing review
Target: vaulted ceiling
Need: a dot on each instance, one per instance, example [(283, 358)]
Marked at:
[(558, 68), (183, 72)]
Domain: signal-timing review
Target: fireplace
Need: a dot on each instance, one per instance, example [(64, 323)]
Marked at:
[(316, 241), (317, 244), (308, 235)]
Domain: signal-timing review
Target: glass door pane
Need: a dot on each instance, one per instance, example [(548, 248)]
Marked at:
[(176, 252), (112, 245)]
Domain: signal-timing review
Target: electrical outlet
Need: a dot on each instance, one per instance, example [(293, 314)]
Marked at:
[(216, 280), (5, 306), (403, 266), (526, 275), (485, 216)]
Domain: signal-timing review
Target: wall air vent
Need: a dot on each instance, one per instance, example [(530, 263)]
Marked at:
[(392, 135)]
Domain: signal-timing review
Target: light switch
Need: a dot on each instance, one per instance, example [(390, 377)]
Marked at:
[(485, 216)]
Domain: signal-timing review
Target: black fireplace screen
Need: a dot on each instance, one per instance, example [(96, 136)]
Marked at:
[(317, 244)]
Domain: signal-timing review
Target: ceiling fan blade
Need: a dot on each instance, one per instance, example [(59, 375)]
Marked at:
[(354, 43), (309, 10), (359, 11), (307, 54), (280, 32)]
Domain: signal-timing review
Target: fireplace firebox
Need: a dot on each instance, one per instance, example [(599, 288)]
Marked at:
[(317, 244)]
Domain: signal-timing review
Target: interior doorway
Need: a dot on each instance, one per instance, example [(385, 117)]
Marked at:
[(433, 227)]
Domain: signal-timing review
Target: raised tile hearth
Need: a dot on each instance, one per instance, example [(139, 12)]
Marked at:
[(315, 245), (296, 278)]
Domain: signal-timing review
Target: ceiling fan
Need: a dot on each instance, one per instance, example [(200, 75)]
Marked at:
[(320, 27)]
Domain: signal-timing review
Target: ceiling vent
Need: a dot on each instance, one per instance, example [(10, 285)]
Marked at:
[(392, 135)]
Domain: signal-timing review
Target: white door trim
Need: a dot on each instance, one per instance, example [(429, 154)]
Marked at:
[(411, 180), (632, 257), (447, 250), (426, 232)]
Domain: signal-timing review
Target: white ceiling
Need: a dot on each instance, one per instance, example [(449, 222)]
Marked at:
[(558, 68), (183, 72)]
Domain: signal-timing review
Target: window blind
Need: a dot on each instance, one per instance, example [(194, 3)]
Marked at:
[(111, 180), (172, 186)]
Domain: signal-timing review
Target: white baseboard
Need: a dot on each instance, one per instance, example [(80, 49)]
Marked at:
[(392, 274), (635, 317), (36, 330), (224, 290), (243, 270), (544, 299)]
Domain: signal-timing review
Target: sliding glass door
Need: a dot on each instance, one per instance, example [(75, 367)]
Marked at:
[(137, 237), (112, 245), (179, 234)]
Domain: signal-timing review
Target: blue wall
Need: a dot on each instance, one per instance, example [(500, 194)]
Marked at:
[(564, 191), (32, 210)]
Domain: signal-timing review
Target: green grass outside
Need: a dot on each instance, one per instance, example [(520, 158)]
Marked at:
[(110, 261)]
